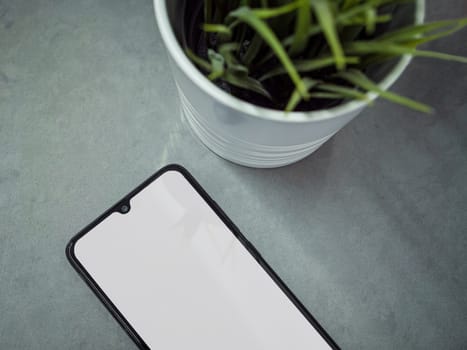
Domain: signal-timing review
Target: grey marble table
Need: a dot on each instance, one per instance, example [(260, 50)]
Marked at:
[(370, 232)]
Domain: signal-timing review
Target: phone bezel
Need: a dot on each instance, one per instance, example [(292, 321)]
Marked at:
[(215, 207)]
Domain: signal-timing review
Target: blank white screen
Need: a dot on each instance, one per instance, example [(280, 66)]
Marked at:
[(184, 281)]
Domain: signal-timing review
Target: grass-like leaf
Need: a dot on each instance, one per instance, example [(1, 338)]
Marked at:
[(303, 21), (362, 21), (267, 13), (327, 95), (425, 32), (327, 22), (203, 64), (352, 16), (310, 65), (370, 17), (227, 51), (217, 64), (246, 82), (238, 78), (248, 16), (364, 47), (343, 91), (297, 96), (346, 4), (359, 79), (253, 49), (217, 28)]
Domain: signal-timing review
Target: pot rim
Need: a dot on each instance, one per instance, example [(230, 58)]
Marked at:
[(190, 70)]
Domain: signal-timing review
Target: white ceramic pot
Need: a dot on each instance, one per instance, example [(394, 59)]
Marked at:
[(247, 134)]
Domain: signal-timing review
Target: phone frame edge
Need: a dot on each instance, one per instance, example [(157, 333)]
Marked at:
[(70, 254)]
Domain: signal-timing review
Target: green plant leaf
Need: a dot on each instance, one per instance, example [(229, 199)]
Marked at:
[(245, 14), (246, 82), (228, 47), (226, 50), (359, 79), (203, 64), (343, 91), (313, 30), (370, 18), (217, 28), (267, 13), (297, 95), (318, 63), (327, 22), (425, 32), (363, 7), (309, 65), (302, 23), (361, 21), (217, 64), (346, 4), (253, 49), (236, 78), (327, 95), (350, 17), (367, 47)]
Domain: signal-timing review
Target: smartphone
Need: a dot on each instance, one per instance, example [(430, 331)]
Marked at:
[(177, 274)]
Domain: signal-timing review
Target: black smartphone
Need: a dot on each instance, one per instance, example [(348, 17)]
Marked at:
[(177, 274)]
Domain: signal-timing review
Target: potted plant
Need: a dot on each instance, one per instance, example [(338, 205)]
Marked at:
[(264, 83)]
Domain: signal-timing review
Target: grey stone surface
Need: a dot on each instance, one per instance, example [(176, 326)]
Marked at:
[(370, 232)]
